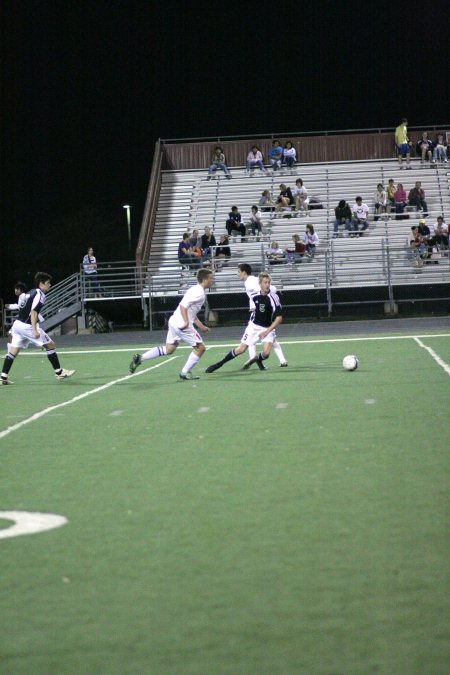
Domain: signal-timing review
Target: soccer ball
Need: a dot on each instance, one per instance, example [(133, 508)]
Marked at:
[(350, 362)]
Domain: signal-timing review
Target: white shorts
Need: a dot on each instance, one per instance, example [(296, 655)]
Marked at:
[(252, 332), (22, 335), (176, 335)]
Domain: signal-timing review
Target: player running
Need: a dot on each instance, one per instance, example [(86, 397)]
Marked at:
[(181, 328), (25, 330), (252, 288), (265, 318)]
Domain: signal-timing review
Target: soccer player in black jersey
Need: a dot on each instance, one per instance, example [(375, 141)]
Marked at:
[(25, 330), (264, 319)]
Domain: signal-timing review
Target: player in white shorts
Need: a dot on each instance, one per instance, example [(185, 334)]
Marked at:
[(264, 319), (251, 284), (181, 328), (25, 330)]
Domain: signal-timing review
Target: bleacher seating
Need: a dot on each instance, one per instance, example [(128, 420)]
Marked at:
[(188, 201)]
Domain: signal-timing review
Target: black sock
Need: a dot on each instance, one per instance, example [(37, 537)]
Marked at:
[(9, 360), (53, 358), (262, 357), (231, 355)]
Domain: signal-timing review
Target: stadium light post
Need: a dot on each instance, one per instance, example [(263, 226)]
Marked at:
[(128, 207)]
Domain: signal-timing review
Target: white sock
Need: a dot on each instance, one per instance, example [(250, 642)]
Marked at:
[(278, 351), (154, 353), (251, 351), (190, 363)]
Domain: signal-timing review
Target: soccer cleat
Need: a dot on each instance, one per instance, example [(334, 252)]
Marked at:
[(135, 362), (212, 368), (249, 363), (5, 380), (188, 376), (261, 365), (63, 374), (284, 364)]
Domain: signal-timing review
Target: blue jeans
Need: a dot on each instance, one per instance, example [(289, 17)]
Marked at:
[(255, 162), (441, 151), (290, 161), (346, 224), (218, 165)]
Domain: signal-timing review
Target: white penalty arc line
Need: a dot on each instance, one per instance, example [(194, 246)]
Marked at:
[(222, 345), (434, 356), (80, 397)]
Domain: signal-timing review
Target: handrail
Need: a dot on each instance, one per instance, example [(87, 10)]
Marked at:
[(151, 204)]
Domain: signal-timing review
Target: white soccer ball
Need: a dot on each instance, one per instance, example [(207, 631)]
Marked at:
[(350, 362)]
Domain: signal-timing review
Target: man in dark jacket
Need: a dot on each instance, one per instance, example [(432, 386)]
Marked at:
[(343, 217)]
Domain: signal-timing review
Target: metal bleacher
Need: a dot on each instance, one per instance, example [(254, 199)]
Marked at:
[(189, 201)]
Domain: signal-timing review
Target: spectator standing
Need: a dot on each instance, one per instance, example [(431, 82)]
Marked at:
[(416, 197), (234, 222), (266, 202), (440, 149), (275, 155), (301, 196), (360, 212), (289, 155), (344, 216), (424, 148), (218, 162), (90, 271), (255, 159), (402, 143)]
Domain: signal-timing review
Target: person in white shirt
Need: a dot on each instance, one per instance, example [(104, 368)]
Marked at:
[(380, 199), (90, 270), (360, 221), (300, 196), (255, 222), (289, 155), (181, 328), (252, 288), (311, 241), (440, 236)]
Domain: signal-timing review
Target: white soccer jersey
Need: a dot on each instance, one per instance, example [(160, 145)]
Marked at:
[(193, 301), (253, 288)]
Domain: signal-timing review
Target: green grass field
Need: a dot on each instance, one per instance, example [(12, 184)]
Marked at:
[(286, 522)]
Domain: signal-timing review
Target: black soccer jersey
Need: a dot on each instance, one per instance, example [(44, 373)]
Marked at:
[(34, 300), (267, 308)]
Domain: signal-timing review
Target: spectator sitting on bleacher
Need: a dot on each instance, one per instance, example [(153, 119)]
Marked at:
[(416, 197), (266, 202), (390, 190), (289, 155), (223, 251), (301, 196), (380, 199), (417, 248), (295, 254), (185, 254), (194, 239), (218, 162), (440, 149), (343, 215), (440, 237), (234, 223), (275, 155), (208, 239), (255, 158), (360, 221), (285, 199), (400, 200), (274, 254), (424, 148), (311, 241), (255, 222), (425, 233)]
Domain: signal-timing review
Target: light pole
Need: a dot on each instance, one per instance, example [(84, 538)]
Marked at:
[(128, 207)]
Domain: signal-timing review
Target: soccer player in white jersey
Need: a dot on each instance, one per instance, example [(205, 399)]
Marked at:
[(252, 288), (264, 319), (25, 330), (181, 328)]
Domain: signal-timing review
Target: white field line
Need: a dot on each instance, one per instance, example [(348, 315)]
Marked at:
[(51, 408), (233, 344), (434, 356)]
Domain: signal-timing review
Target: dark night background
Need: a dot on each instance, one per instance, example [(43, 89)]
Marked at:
[(87, 88)]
